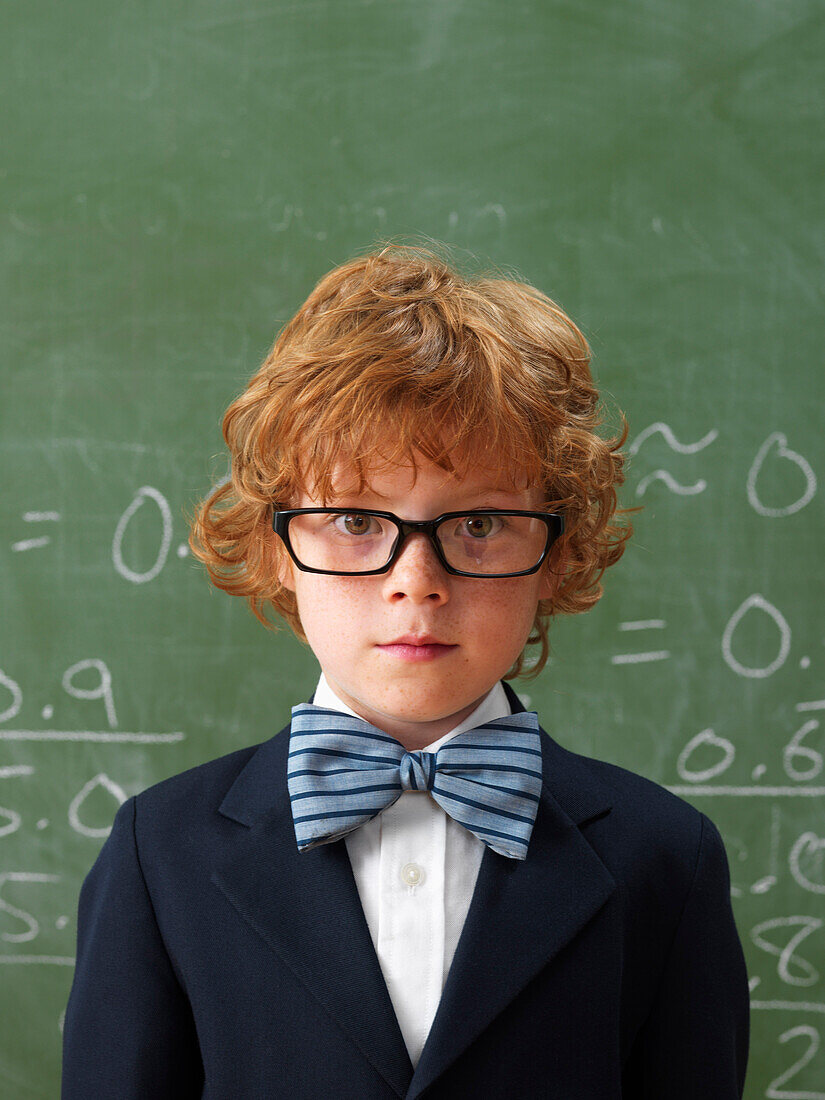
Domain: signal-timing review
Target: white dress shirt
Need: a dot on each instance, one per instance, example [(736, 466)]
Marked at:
[(416, 869)]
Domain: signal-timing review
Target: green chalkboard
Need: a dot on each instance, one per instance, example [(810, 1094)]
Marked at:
[(176, 177)]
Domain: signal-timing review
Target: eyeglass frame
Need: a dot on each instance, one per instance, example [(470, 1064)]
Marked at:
[(553, 521)]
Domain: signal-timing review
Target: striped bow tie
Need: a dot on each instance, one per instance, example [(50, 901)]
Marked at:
[(342, 771)]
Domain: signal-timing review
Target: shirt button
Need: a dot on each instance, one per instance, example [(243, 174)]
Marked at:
[(412, 874)]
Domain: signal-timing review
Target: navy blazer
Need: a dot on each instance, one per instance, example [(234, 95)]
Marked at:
[(215, 960)]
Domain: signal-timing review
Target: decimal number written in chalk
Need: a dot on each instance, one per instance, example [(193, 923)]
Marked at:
[(11, 696)]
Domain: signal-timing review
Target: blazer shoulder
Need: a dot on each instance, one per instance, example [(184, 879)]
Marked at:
[(647, 825), (633, 790), (197, 781), (193, 796), (626, 790)]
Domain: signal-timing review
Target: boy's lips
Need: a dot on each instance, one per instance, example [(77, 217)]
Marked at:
[(417, 647)]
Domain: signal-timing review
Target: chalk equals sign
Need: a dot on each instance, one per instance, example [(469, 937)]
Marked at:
[(649, 655), (43, 540)]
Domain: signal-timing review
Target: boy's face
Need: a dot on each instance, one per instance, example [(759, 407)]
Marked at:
[(487, 621)]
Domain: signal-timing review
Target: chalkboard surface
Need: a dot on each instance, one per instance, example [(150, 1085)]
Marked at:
[(175, 179)]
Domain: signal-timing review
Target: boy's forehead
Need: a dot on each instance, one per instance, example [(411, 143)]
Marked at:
[(386, 479)]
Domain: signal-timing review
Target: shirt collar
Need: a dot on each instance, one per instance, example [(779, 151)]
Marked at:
[(495, 704)]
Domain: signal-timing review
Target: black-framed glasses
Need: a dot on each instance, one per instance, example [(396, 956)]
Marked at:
[(354, 542)]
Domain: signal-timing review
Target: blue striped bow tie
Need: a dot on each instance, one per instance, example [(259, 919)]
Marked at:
[(342, 771)]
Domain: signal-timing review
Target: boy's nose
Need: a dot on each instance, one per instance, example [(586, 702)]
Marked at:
[(418, 562)]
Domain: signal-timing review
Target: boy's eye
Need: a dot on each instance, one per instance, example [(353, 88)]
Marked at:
[(480, 526), (353, 524)]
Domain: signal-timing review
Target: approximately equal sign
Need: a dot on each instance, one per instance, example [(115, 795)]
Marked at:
[(43, 540), (647, 655)]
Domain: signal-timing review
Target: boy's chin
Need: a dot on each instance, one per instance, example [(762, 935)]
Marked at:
[(431, 706)]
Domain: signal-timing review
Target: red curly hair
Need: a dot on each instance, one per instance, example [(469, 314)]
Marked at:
[(396, 343)]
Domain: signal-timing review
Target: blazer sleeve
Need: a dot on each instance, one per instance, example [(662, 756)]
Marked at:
[(695, 1040), (128, 1031)]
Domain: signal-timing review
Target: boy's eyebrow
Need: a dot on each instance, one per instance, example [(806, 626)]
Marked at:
[(353, 494), (476, 494)]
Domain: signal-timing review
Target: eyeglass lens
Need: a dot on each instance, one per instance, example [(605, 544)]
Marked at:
[(352, 542)]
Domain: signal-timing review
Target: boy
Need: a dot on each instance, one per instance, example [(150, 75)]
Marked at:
[(412, 889)]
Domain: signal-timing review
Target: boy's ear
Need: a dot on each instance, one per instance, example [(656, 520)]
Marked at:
[(553, 575), (285, 576), (282, 564)]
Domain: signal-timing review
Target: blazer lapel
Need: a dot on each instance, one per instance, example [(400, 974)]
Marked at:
[(306, 907), (523, 912)]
